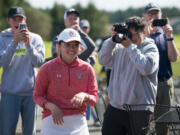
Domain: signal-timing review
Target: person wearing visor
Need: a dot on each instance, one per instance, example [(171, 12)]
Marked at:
[(21, 51), (72, 20), (64, 87), (164, 40)]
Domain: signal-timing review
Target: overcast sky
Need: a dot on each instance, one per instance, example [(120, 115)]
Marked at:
[(109, 5)]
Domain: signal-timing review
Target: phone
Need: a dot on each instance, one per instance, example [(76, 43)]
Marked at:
[(22, 26), (159, 22)]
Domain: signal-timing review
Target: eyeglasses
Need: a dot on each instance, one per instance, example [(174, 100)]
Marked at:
[(73, 45)]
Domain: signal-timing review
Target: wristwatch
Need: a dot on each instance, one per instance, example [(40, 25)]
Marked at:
[(170, 39)]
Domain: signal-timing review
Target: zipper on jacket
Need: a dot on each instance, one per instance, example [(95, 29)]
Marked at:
[(69, 76)]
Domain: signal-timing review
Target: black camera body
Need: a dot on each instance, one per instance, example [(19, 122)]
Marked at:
[(159, 22), (121, 29)]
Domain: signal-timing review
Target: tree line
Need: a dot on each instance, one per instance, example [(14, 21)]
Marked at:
[(50, 22)]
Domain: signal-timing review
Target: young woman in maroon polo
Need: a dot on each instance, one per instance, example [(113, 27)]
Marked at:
[(64, 86)]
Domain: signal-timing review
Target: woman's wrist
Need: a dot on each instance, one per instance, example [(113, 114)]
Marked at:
[(49, 105), (86, 98)]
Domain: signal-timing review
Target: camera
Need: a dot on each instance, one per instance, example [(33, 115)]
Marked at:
[(22, 26), (159, 22), (121, 29)]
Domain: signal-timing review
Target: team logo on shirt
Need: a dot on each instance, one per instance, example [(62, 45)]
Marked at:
[(58, 75), (80, 76), (20, 49), (72, 34)]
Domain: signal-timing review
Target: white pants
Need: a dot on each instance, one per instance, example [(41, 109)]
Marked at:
[(73, 125)]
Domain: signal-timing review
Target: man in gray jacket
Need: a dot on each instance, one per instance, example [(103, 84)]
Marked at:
[(21, 52), (133, 81)]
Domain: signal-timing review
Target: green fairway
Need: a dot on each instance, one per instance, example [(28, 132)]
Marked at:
[(176, 65), (48, 49)]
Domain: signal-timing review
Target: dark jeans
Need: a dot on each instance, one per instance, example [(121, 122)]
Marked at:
[(10, 108), (120, 122)]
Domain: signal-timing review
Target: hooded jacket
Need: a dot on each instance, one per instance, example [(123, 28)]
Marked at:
[(19, 62), (133, 78)]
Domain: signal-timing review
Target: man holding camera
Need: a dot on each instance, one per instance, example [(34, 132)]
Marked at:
[(21, 52), (162, 33), (133, 81)]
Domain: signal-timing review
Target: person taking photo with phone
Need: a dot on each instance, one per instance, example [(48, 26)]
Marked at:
[(164, 40), (21, 51)]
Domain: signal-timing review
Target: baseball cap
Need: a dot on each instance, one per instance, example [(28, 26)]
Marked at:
[(152, 6), (69, 35), (69, 11), (84, 23), (16, 11)]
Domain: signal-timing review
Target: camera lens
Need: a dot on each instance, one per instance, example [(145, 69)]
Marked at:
[(118, 38)]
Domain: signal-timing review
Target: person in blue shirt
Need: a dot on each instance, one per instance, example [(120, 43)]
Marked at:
[(164, 40)]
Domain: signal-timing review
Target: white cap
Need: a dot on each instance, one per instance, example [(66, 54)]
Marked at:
[(69, 35)]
